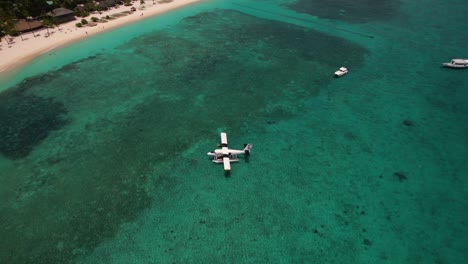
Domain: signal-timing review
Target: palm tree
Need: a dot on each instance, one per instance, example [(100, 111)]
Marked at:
[(3, 34), (19, 33), (6, 23), (29, 25), (48, 23)]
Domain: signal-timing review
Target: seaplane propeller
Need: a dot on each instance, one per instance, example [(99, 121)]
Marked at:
[(225, 155)]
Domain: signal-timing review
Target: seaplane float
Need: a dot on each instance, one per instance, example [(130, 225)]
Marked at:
[(226, 155)]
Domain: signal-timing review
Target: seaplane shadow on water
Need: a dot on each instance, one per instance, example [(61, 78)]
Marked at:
[(226, 155)]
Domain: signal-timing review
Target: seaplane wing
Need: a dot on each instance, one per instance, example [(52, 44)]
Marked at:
[(226, 155), (224, 140), (227, 163)]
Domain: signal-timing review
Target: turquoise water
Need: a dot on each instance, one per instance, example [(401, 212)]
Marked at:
[(103, 150)]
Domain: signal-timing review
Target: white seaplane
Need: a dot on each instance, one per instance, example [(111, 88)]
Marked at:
[(226, 155)]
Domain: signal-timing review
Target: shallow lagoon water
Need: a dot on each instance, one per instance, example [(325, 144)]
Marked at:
[(109, 164)]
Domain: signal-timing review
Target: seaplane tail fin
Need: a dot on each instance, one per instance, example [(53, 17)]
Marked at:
[(227, 164), (247, 148)]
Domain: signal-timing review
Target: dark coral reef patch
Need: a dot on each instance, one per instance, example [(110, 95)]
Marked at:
[(358, 11), (26, 120)]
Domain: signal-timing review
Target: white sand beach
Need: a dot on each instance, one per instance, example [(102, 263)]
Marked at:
[(27, 46)]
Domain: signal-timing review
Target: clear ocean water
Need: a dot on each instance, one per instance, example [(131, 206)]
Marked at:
[(103, 143)]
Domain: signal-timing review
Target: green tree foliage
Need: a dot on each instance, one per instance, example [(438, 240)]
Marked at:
[(81, 11), (49, 22), (6, 22), (26, 8)]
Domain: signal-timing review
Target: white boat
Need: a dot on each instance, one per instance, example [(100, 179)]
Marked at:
[(456, 63), (340, 72)]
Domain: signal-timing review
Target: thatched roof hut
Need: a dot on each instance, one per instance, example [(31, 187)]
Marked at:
[(24, 25)]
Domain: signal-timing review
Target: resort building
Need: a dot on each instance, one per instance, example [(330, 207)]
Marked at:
[(62, 15)]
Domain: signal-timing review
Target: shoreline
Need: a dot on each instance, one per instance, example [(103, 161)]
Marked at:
[(26, 47)]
